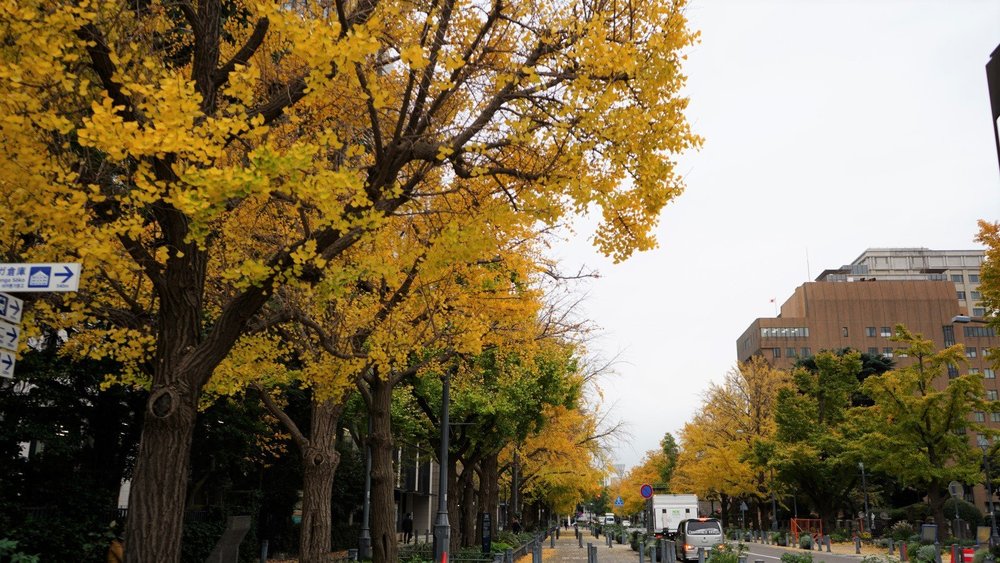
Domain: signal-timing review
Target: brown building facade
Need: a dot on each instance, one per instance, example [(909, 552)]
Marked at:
[(861, 315)]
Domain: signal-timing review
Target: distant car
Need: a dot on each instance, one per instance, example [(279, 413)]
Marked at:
[(626, 523)]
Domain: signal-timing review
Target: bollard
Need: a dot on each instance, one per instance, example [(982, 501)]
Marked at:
[(955, 553), (557, 532), (552, 539), (671, 547), (642, 551), (263, 551), (857, 545), (579, 538), (742, 558), (818, 542), (663, 550), (892, 547), (902, 552), (829, 544), (352, 555), (590, 552), (701, 555), (937, 556)]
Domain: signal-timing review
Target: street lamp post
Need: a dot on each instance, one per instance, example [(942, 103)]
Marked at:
[(442, 529), (864, 487)]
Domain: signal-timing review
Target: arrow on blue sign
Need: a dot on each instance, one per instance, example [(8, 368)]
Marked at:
[(10, 334), (6, 364), (66, 272)]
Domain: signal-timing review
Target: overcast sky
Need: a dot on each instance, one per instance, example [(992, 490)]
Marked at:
[(830, 127)]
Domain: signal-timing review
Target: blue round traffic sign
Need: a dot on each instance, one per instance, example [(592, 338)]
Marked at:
[(646, 491)]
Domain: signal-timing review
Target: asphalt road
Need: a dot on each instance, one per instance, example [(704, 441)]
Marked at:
[(770, 554)]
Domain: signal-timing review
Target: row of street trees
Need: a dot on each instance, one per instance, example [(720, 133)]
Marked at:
[(338, 196), (765, 436)]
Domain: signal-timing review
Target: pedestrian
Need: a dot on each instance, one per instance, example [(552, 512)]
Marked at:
[(408, 527), (515, 525)]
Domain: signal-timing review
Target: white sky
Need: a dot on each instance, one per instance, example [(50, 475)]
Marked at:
[(830, 127)]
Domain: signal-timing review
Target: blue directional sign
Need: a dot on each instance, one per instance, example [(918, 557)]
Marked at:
[(10, 308), (6, 364), (619, 502), (9, 335), (60, 276)]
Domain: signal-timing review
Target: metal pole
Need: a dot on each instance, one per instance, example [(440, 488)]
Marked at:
[(864, 486), (442, 529), (365, 541)]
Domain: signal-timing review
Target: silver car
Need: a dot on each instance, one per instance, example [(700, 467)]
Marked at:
[(704, 533)]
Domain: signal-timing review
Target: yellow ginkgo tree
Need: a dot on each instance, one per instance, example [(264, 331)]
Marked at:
[(132, 132)]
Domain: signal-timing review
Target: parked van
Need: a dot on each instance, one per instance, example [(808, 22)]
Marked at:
[(609, 518), (705, 533)]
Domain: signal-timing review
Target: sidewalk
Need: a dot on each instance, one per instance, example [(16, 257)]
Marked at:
[(567, 549)]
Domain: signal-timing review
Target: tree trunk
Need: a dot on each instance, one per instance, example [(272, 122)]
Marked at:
[(724, 505), (453, 505), (383, 513), (489, 491), (156, 503), (319, 463), (468, 524), (936, 501)]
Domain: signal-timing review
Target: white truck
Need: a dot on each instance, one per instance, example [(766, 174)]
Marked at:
[(665, 512)]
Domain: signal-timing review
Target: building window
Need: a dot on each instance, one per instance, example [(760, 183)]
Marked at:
[(790, 352), (784, 332), (873, 351), (978, 311), (988, 373), (776, 352), (973, 278), (886, 332), (901, 353), (952, 371), (973, 371), (959, 431), (961, 295), (979, 416), (970, 352), (985, 352), (887, 352), (806, 352), (995, 417), (949, 334), (869, 331), (976, 331), (991, 394), (976, 296), (957, 278)]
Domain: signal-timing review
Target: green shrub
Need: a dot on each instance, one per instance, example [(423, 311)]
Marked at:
[(839, 537), (966, 511), (726, 553), (8, 552), (792, 557), (875, 559), (805, 541), (980, 555), (901, 530), (926, 554)]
